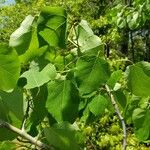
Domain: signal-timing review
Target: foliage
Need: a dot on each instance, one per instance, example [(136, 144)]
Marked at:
[(58, 76), (122, 25), (105, 133), (12, 15)]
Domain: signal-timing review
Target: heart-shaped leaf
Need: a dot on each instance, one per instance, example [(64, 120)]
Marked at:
[(86, 40), (20, 39), (62, 95), (36, 78), (52, 21), (91, 72), (97, 105), (138, 79), (141, 119)]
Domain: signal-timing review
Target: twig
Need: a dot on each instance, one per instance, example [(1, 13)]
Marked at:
[(20, 144), (72, 42), (23, 134), (119, 116), (25, 116), (132, 46), (28, 99), (77, 37), (93, 146)]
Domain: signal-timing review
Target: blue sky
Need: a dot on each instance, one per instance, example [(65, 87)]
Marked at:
[(7, 2)]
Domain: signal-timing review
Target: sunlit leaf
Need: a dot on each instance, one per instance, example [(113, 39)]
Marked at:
[(97, 105), (9, 68), (7, 145), (36, 78), (20, 39), (121, 22), (86, 40), (133, 20), (91, 73), (63, 96)]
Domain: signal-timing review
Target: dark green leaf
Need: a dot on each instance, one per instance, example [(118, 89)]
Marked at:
[(39, 96), (32, 53), (121, 98), (52, 26), (141, 119), (114, 78), (9, 117), (138, 79), (14, 102), (62, 137)]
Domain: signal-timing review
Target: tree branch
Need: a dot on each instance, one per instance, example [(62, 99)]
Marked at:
[(23, 134), (119, 116)]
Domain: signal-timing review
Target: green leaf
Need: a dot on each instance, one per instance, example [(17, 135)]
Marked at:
[(9, 117), (3, 111), (34, 43), (133, 20), (14, 102), (114, 78), (7, 134), (62, 137), (97, 105), (33, 50), (50, 37), (121, 98), (91, 72), (7, 145), (141, 120), (145, 66), (87, 41), (9, 68), (132, 104), (64, 96), (26, 41), (39, 96), (36, 78), (121, 22), (20, 39), (86, 114), (30, 54), (138, 79), (52, 26)]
